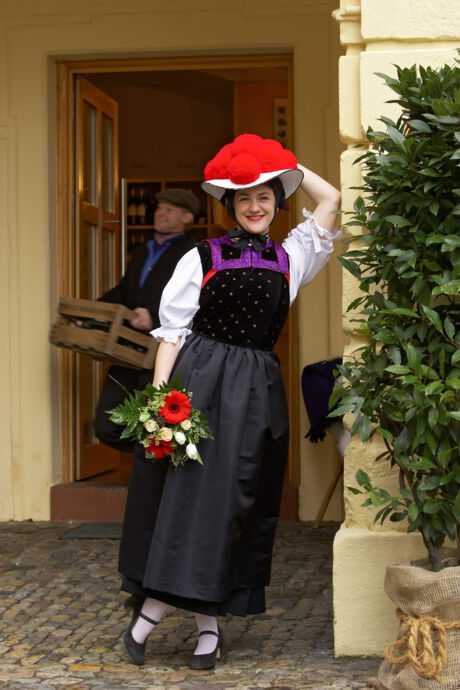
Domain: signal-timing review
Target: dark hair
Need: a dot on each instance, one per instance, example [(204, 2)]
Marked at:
[(275, 183)]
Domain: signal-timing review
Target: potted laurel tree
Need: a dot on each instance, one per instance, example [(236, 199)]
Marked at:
[(404, 384)]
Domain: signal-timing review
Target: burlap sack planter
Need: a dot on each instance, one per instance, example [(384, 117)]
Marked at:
[(427, 653)]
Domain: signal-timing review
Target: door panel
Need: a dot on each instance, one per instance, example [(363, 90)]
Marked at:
[(97, 251)]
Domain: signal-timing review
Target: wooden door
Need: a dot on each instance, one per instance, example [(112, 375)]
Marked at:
[(97, 252)]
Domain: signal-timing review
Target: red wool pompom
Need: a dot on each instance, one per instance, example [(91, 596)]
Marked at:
[(244, 169), (247, 143), (176, 407), (216, 169), (270, 154), (160, 449)]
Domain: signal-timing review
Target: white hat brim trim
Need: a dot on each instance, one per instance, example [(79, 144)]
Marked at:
[(290, 179)]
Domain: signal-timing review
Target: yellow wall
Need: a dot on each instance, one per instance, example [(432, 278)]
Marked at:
[(33, 35), (377, 36)]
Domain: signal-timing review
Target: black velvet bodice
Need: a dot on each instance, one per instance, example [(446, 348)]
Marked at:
[(245, 306)]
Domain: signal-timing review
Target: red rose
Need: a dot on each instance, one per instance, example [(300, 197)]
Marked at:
[(160, 449), (176, 407)]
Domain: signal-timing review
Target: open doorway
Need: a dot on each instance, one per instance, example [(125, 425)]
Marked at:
[(173, 116)]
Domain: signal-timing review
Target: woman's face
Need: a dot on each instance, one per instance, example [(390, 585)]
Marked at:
[(254, 208)]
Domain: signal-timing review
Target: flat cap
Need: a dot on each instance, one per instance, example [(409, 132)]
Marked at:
[(180, 197)]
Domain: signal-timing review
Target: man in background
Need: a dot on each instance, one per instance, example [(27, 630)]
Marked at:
[(150, 268)]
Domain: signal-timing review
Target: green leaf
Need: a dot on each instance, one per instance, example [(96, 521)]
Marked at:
[(451, 242), (403, 311), (397, 517), (363, 478), (403, 440), (354, 490), (398, 369), (412, 358), (432, 316), (455, 414), (399, 221), (419, 125), (413, 511), (351, 266), (432, 506), (385, 433), (457, 507), (396, 136), (434, 388), (434, 207), (449, 327)]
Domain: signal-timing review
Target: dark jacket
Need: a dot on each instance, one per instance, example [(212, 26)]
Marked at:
[(129, 293)]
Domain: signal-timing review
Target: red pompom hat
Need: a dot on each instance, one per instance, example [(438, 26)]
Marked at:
[(248, 161)]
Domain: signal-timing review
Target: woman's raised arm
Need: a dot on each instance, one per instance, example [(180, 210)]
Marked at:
[(325, 197)]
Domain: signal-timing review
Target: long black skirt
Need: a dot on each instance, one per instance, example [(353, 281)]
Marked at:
[(201, 537)]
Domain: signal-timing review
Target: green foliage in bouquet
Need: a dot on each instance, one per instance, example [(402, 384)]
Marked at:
[(404, 385), (164, 422)]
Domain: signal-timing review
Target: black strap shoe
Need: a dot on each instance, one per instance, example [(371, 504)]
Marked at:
[(136, 650), (203, 662)]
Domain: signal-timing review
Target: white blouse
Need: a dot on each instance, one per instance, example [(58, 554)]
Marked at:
[(308, 246)]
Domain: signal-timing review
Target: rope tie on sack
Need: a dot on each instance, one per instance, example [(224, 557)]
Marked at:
[(425, 644)]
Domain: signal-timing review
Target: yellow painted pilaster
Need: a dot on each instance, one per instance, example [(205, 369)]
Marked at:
[(377, 34)]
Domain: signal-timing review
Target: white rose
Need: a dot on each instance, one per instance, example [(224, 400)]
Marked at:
[(192, 451), (180, 437), (151, 426), (165, 433), (186, 424)]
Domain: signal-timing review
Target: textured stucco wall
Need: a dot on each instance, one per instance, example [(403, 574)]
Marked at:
[(377, 35)]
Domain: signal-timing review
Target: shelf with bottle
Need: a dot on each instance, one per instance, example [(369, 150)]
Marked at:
[(140, 203)]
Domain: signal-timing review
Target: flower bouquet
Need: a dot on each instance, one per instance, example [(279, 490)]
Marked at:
[(164, 422)]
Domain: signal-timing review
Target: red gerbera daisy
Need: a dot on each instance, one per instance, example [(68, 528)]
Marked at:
[(176, 407), (161, 449)]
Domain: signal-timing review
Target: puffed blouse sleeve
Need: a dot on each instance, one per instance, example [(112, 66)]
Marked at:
[(180, 299), (309, 248)]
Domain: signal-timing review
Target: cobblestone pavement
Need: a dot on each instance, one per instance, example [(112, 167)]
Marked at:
[(63, 616)]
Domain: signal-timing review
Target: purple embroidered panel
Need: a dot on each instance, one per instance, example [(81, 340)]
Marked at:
[(250, 258)]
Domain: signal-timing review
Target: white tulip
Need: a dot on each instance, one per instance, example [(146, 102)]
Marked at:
[(180, 437), (192, 451), (151, 426)]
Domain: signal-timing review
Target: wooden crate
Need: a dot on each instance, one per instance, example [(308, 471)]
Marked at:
[(97, 329)]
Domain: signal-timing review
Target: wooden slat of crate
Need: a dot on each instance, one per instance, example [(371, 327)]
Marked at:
[(102, 345), (90, 309)]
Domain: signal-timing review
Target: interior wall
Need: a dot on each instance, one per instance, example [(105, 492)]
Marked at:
[(171, 123)]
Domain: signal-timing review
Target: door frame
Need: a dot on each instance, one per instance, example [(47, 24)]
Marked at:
[(66, 278)]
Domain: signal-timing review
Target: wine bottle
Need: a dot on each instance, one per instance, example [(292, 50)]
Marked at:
[(141, 208), (132, 207)]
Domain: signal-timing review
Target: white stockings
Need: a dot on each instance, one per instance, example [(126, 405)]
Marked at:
[(153, 609), (206, 643)]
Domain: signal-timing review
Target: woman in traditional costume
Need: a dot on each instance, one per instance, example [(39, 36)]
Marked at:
[(200, 538)]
